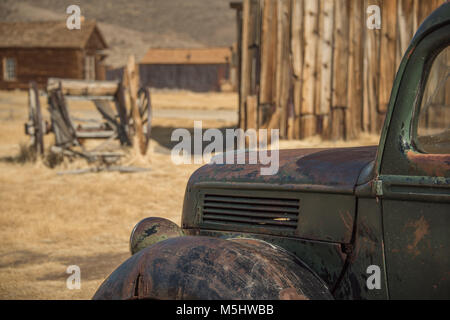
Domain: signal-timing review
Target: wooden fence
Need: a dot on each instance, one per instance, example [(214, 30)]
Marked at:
[(313, 67)]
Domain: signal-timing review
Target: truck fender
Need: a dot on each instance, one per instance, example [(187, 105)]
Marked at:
[(207, 268)]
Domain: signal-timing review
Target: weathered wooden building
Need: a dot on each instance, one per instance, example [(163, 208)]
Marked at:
[(194, 69), (313, 67), (36, 51)]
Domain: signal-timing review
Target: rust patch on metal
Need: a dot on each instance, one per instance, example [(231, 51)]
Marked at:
[(421, 228), (341, 253), (431, 164), (410, 52), (347, 220), (291, 294)]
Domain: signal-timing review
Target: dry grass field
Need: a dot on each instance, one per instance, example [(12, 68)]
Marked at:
[(50, 221)]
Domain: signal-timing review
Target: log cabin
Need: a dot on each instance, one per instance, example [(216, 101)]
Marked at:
[(36, 51), (194, 69)]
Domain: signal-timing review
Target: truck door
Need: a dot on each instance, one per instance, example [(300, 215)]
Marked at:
[(414, 181)]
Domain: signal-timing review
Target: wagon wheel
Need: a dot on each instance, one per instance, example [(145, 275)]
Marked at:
[(35, 117), (145, 113)]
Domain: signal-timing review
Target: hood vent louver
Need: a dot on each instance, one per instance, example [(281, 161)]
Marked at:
[(246, 211)]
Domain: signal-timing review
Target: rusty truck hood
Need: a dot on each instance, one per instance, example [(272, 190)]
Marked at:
[(334, 170)]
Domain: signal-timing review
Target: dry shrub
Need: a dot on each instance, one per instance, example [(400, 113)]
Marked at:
[(53, 159), (26, 154)]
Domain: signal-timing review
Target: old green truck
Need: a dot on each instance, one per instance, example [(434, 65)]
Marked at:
[(347, 223)]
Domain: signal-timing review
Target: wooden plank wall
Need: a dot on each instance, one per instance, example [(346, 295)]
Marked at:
[(39, 64), (313, 67)]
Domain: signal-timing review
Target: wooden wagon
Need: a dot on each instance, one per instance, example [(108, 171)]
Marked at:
[(126, 122)]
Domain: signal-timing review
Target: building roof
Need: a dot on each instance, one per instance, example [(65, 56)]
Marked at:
[(47, 34), (218, 55)]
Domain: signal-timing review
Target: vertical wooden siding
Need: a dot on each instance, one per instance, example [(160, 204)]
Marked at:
[(314, 68)]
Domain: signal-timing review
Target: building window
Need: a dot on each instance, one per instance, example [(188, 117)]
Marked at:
[(9, 69)]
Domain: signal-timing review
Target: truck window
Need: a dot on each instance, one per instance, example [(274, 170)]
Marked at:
[(433, 129)]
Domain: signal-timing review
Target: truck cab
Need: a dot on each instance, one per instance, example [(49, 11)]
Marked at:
[(347, 223)]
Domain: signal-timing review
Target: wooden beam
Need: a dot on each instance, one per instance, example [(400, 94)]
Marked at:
[(297, 37), (251, 106), (283, 72), (387, 53), (340, 54), (268, 45), (72, 87), (297, 100), (325, 64), (133, 87), (239, 59), (245, 62), (447, 88), (249, 54), (340, 63), (337, 123), (103, 134), (307, 125), (311, 40), (371, 74), (405, 26), (425, 8), (355, 69), (291, 109), (297, 61)]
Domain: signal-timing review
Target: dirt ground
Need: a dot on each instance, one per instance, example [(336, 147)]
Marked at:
[(50, 221)]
